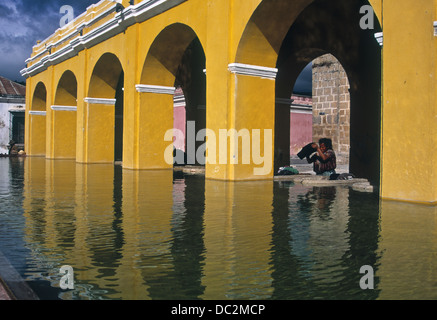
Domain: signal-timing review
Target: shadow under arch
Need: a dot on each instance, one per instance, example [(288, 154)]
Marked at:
[(36, 144), (264, 33), (65, 117), (104, 101), (334, 27), (175, 58)]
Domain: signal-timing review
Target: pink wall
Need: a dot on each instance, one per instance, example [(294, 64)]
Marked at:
[(301, 131), (179, 123)]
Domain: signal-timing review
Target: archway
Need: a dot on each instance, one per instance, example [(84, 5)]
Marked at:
[(37, 123), (334, 27), (104, 104), (175, 60), (64, 117), (191, 79)]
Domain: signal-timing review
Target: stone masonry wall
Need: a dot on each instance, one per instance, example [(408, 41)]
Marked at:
[(331, 105)]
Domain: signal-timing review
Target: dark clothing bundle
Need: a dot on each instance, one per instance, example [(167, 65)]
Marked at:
[(306, 151)]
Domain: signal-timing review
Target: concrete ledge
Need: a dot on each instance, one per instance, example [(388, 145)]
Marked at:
[(358, 184), (14, 287), (190, 169)]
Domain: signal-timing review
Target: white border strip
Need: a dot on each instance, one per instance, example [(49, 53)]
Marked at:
[(64, 108), (379, 37), (37, 113), (110, 102), (251, 70), (155, 89)]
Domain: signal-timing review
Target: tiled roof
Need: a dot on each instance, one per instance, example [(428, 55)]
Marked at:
[(11, 88)]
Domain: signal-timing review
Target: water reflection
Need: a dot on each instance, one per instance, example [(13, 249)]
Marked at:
[(408, 265), (314, 244), (156, 235)]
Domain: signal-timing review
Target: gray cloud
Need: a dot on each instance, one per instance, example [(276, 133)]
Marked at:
[(22, 23)]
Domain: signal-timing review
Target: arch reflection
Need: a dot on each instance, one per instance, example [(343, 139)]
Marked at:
[(132, 234)]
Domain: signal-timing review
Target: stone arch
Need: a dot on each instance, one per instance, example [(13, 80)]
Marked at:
[(175, 58), (65, 117), (333, 27), (37, 121), (103, 103), (285, 36)]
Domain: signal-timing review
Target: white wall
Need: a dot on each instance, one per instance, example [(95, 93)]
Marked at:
[(4, 126)]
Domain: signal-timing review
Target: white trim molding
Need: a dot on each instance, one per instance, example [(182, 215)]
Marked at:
[(379, 37), (251, 70), (64, 108), (110, 102), (179, 101), (155, 89), (37, 113)]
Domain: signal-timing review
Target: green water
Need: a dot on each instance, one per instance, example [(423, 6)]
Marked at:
[(163, 235)]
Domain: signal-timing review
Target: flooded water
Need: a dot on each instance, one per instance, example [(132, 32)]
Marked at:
[(163, 235)]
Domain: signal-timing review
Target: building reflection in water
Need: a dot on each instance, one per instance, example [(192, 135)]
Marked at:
[(152, 235), (408, 249), (317, 250)]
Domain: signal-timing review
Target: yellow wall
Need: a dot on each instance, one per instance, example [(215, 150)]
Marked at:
[(409, 106), (248, 32)]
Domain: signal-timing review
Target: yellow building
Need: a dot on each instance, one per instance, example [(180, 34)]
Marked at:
[(101, 88)]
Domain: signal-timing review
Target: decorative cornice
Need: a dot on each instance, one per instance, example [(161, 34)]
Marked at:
[(155, 89), (110, 102), (37, 113), (118, 24), (379, 37), (64, 108), (251, 70)]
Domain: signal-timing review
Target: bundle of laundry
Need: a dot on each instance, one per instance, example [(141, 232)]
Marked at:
[(306, 151), (341, 176), (285, 171)]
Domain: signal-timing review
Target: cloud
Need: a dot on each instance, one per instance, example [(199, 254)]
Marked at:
[(22, 23)]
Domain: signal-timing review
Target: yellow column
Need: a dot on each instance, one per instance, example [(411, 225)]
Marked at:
[(252, 109), (130, 114), (240, 99), (409, 105), (37, 133), (155, 120), (64, 132), (100, 130)]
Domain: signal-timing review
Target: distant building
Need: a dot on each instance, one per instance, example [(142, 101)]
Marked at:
[(12, 107), (301, 122)]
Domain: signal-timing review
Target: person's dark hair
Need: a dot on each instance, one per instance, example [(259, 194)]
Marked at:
[(327, 142)]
